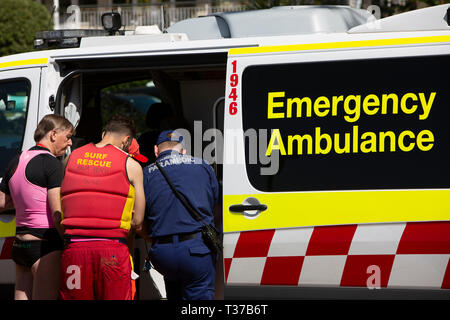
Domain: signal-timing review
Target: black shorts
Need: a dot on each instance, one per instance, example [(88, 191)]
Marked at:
[(26, 253)]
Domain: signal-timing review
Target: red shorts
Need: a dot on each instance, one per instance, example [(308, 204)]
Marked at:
[(95, 270)]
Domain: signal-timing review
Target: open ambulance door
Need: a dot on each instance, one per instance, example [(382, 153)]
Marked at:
[(158, 91), (336, 180), (19, 98)]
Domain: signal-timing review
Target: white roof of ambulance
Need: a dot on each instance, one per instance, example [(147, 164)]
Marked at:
[(220, 32)]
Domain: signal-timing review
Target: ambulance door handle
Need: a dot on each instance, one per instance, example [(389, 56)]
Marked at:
[(238, 208), (249, 208)]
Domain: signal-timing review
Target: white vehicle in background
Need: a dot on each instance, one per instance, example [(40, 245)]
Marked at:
[(328, 131)]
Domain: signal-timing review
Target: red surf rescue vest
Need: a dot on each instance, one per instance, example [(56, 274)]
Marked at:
[(97, 196)]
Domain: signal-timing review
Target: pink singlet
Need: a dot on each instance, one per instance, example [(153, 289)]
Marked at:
[(30, 200)]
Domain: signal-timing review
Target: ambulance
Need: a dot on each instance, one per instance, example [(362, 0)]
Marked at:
[(327, 128)]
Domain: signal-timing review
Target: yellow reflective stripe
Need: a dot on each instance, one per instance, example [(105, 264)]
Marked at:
[(340, 45), (125, 220), (287, 210), (60, 202), (23, 62), (8, 229), (132, 263)]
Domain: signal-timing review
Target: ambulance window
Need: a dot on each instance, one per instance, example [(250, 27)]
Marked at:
[(100, 100), (350, 125), (14, 96), (132, 99)]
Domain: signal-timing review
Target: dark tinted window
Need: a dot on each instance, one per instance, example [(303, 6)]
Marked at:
[(390, 118), (14, 96)]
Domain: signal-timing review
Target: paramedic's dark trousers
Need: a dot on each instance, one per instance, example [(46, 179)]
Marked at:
[(188, 268)]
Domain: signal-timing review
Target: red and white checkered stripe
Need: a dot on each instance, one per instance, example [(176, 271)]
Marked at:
[(5, 247), (408, 255)]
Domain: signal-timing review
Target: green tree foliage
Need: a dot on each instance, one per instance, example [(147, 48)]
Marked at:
[(435, 2), (266, 4), (389, 7), (19, 22)]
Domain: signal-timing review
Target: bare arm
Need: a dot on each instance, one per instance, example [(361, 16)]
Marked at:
[(54, 200), (5, 201), (137, 179)]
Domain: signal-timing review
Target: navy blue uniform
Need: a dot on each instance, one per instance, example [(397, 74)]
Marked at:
[(178, 251)]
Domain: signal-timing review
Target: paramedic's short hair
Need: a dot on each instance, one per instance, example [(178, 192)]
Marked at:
[(122, 125), (51, 122)]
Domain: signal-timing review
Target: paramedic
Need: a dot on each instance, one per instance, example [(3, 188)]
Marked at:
[(178, 251)]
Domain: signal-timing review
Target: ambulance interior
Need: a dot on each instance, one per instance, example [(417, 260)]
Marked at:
[(188, 97)]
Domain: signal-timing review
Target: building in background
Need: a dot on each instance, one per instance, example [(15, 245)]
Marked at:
[(85, 14)]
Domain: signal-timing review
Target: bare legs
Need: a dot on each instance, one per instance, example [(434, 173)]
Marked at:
[(41, 281), (24, 283)]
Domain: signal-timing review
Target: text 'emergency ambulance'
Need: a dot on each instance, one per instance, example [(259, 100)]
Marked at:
[(350, 108)]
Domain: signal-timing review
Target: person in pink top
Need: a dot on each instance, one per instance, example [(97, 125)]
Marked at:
[(32, 184)]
